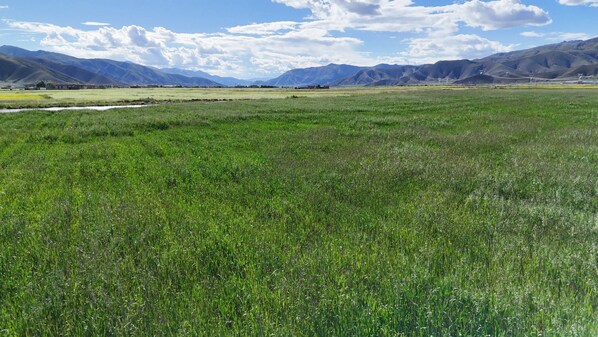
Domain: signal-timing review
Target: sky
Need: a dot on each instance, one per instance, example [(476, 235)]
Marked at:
[(264, 38)]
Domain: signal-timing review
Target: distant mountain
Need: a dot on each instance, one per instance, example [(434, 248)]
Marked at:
[(326, 75), (551, 62), (476, 79), (17, 70), (578, 48), (380, 75), (228, 81), (561, 61), (68, 69)]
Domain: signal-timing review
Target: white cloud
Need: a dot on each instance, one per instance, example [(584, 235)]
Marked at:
[(95, 23), (3, 7), (328, 8), (265, 49), (573, 36), (405, 16), (501, 14), (230, 54), (438, 26), (591, 3), (557, 36), (431, 49), (531, 34), (267, 28)]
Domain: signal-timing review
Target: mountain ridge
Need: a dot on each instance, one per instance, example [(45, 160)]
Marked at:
[(325, 75), (560, 61), (228, 81), (117, 73)]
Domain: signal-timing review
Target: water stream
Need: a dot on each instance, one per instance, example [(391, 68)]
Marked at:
[(96, 108)]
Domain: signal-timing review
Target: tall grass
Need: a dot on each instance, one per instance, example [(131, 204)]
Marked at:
[(419, 213)]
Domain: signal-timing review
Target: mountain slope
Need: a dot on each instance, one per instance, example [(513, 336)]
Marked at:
[(401, 75), (326, 75), (379, 75), (117, 72), (17, 70), (558, 61), (561, 61), (575, 47), (228, 81)]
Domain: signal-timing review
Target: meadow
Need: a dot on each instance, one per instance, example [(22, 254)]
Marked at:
[(121, 96), (375, 212)]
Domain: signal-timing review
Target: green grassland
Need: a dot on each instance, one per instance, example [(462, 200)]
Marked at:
[(420, 212), (122, 96), (51, 98)]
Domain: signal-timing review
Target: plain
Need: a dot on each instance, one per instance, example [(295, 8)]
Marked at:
[(421, 212)]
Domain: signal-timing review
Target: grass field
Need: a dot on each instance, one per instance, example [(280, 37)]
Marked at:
[(411, 213), (121, 96), (51, 98)]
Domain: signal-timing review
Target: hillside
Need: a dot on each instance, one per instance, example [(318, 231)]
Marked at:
[(228, 81), (68, 69), (22, 70), (326, 75), (391, 74), (562, 61)]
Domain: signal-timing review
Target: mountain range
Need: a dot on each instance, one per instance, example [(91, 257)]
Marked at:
[(20, 66), (561, 61), (227, 81), (326, 75)]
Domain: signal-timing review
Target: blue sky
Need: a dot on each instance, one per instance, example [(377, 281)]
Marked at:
[(263, 38)]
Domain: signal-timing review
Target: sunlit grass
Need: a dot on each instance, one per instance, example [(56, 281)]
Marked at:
[(53, 98), (410, 212), (20, 96)]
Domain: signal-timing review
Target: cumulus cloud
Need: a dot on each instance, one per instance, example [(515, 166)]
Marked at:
[(264, 49), (405, 16), (591, 3), (231, 54), (3, 7), (501, 14), (327, 8), (461, 46), (438, 26)]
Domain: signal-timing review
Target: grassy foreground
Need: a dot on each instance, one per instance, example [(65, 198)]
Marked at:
[(418, 213)]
